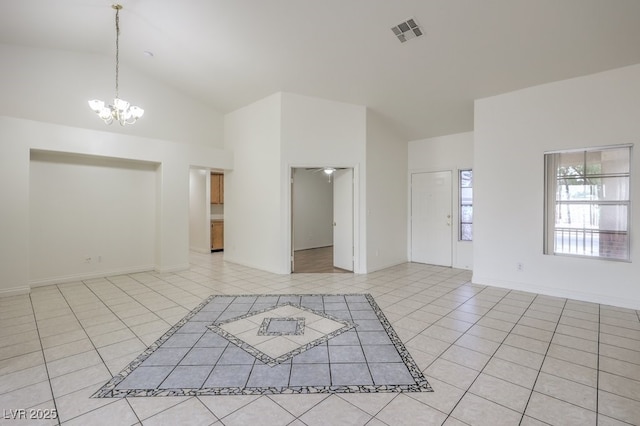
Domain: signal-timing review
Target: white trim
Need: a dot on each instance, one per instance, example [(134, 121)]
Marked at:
[(556, 292), (589, 149), (79, 277), (14, 291)]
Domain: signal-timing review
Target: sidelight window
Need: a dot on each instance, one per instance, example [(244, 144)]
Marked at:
[(466, 205)]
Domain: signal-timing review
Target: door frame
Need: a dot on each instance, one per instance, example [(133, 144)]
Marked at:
[(288, 201)]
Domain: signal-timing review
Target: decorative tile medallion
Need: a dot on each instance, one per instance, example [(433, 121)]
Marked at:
[(271, 344), (281, 327), (267, 334)]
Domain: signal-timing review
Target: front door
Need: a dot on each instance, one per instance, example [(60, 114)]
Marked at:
[(431, 228)]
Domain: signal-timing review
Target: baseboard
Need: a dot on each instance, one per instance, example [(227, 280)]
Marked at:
[(79, 277), (559, 292), (385, 266), (174, 268), (200, 250), (14, 291), (250, 265)]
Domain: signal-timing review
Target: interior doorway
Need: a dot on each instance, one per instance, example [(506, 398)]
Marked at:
[(322, 231)]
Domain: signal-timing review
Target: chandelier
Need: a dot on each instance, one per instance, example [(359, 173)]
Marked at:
[(120, 111)]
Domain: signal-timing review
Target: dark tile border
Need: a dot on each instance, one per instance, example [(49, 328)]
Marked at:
[(421, 385)]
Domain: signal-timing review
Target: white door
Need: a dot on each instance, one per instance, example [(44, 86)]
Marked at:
[(431, 221), (343, 219)]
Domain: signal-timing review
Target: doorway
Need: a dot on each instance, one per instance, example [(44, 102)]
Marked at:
[(322, 231), (431, 218)]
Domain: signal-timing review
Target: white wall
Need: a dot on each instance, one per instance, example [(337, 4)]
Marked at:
[(386, 195), (54, 86), (199, 221), (18, 138), (312, 209), (318, 132), (90, 216), (252, 190), (512, 132), (268, 138), (451, 152)]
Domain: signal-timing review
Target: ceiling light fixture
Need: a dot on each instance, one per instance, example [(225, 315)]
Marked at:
[(120, 111), (329, 170)]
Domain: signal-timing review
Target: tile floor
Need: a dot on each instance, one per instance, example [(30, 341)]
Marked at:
[(493, 356)]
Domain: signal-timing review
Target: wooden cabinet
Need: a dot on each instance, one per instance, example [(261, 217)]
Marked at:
[(217, 188), (217, 235)]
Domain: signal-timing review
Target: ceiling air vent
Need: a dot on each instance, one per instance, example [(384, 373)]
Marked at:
[(407, 30)]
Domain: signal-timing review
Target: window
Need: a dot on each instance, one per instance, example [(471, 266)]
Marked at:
[(587, 202), (466, 205)]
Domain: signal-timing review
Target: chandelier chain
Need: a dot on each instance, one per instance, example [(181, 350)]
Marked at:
[(117, 48)]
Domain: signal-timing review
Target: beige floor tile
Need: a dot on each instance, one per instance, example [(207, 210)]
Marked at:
[(112, 337), (62, 338), (79, 379), (475, 410), (261, 411), (619, 385), (404, 410), (618, 407), (73, 363), (443, 398), (224, 405), (466, 357), (140, 319), (28, 396), (79, 402), (547, 409), (619, 353), (150, 327), (501, 392), (566, 390), (191, 411), (20, 362), (370, 403), (19, 349), (452, 373), (22, 378), (20, 338), (146, 407), (574, 372), (511, 372), (519, 356), (106, 415), (120, 349), (68, 349)]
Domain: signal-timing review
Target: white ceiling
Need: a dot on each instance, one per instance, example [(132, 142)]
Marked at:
[(229, 53)]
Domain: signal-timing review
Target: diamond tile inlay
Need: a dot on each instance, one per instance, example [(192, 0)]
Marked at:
[(273, 336), (269, 344)]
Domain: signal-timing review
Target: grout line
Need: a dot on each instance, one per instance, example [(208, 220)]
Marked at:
[(542, 364), (44, 359), (492, 356)]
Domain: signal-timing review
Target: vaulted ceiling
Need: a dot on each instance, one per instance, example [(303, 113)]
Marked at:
[(229, 53)]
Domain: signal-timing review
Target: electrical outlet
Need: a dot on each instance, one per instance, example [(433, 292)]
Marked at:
[(87, 259), (520, 266)]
